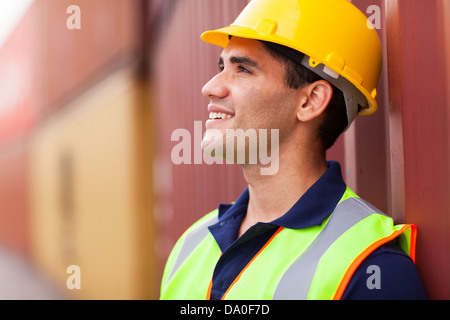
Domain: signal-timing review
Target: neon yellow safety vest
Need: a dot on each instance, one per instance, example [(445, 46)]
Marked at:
[(311, 263)]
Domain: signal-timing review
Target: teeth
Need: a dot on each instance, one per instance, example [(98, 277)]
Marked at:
[(219, 115)]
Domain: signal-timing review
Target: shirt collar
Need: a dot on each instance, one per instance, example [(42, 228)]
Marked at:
[(315, 205)]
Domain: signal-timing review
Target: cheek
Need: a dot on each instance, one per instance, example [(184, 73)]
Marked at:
[(274, 109), (248, 106), (264, 104)]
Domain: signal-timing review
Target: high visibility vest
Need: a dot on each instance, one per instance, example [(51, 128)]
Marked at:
[(311, 263)]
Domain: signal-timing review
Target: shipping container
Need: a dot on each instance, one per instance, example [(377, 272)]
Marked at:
[(418, 56), (14, 199), (21, 100), (21, 97), (90, 196), (76, 58), (75, 147)]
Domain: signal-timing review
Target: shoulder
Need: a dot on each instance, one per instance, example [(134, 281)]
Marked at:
[(197, 230), (191, 236), (202, 223), (386, 274)]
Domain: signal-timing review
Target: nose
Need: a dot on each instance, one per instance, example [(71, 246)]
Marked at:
[(215, 88)]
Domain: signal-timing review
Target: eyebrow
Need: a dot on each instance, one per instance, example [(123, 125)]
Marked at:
[(244, 60)]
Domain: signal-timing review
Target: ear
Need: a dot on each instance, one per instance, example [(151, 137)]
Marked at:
[(316, 97)]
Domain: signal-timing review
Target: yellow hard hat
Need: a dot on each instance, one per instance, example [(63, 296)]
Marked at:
[(337, 39)]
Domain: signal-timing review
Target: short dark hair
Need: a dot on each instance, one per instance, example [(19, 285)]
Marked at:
[(297, 76)]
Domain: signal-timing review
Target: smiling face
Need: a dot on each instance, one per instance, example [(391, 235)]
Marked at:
[(249, 92)]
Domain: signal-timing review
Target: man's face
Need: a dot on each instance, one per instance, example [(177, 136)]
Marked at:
[(249, 92)]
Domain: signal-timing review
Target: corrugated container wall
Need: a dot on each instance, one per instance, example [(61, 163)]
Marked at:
[(418, 51)]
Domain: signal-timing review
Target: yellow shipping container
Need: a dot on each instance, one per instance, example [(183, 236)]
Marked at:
[(91, 194)]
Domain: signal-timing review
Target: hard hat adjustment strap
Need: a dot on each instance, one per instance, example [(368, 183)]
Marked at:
[(353, 97)]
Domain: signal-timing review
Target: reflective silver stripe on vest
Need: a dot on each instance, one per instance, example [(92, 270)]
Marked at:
[(191, 241), (296, 281)]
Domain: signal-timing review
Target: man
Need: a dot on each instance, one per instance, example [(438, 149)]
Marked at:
[(304, 68)]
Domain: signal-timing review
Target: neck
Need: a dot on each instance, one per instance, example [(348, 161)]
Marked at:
[(271, 196)]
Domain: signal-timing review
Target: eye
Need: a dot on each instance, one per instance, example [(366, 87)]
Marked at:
[(243, 69), (220, 65)]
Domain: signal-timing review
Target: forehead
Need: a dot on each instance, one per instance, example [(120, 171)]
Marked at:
[(247, 47)]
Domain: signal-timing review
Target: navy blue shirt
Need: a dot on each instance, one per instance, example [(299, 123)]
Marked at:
[(398, 275)]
